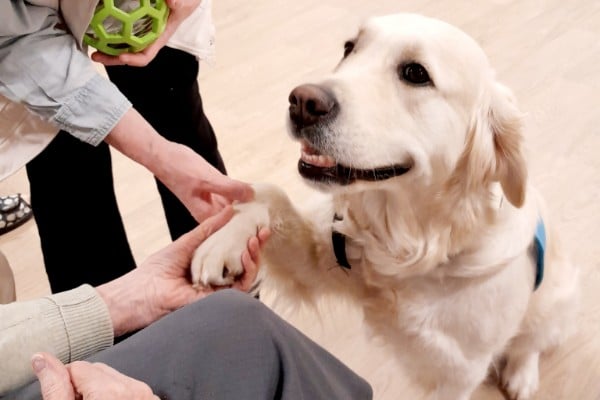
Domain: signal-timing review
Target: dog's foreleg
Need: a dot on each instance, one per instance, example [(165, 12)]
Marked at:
[(521, 375), (291, 257), (291, 244), (299, 257)]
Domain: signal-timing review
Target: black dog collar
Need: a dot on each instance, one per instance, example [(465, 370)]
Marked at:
[(339, 245), (339, 249)]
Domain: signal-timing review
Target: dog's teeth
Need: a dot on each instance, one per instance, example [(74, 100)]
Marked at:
[(318, 160), (326, 161)]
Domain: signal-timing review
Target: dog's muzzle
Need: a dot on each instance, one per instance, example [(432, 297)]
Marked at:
[(311, 107)]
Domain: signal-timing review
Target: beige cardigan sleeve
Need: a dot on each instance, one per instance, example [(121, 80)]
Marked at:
[(71, 325)]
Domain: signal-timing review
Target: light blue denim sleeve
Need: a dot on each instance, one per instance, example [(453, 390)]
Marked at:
[(42, 67)]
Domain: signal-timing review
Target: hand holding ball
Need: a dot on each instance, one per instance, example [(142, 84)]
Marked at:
[(120, 26)]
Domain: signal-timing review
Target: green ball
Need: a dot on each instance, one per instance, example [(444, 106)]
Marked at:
[(120, 26)]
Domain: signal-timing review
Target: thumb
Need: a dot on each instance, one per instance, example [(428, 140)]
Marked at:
[(231, 189), (54, 378)]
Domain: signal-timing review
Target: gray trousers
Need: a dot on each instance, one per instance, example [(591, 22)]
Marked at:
[(228, 346)]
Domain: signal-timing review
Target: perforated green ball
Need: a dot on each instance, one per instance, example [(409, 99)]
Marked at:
[(120, 26)]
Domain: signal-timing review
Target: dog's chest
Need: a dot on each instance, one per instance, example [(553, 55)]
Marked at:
[(451, 315)]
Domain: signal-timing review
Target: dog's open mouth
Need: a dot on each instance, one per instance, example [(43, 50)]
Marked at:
[(323, 168)]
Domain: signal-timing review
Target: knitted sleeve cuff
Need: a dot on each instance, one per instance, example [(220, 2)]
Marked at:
[(83, 317)]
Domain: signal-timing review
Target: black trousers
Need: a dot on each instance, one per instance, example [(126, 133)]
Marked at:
[(228, 347), (71, 183)]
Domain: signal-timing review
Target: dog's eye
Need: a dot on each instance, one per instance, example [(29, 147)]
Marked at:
[(415, 73), (348, 47)]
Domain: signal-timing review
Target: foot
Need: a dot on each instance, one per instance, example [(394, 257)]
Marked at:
[(14, 212)]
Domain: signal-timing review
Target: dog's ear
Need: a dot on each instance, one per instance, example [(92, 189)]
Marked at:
[(505, 124), (493, 151)]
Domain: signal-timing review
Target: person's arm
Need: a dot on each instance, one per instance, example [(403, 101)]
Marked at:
[(162, 284), (71, 325), (76, 324), (191, 178), (42, 68)]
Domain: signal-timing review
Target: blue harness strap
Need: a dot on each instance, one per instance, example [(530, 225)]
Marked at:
[(539, 242)]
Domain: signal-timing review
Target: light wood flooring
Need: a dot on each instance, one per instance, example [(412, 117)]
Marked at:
[(547, 51)]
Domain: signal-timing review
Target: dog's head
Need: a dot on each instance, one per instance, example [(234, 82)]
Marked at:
[(414, 100)]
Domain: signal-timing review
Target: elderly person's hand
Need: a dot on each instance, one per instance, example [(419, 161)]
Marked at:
[(86, 381), (162, 284), (179, 11)]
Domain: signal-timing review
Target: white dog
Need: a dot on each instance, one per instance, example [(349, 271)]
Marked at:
[(431, 226)]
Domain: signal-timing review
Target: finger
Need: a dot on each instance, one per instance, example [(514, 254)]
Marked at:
[(117, 377), (142, 58), (256, 243), (245, 281), (93, 378), (263, 235), (54, 378), (106, 59), (220, 200), (230, 188), (137, 59), (203, 209), (109, 371), (80, 371), (254, 249), (87, 377)]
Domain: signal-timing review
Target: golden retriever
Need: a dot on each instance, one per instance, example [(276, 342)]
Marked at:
[(429, 224)]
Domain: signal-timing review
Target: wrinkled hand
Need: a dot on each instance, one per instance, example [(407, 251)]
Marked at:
[(179, 11), (86, 381), (162, 283)]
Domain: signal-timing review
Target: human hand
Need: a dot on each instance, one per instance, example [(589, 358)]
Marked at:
[(162, 283), (179, 11), (85, 381), (202, 188)]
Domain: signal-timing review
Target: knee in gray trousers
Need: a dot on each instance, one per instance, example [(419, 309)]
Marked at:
[(230, 346)]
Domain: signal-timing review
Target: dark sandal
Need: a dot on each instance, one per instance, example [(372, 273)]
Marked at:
[(14, 212)]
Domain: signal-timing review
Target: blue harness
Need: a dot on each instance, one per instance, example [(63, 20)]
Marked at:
[(539, 244), (539, 247)]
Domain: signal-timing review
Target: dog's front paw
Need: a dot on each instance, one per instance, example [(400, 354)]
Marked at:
[(218, 261), (521, 376)]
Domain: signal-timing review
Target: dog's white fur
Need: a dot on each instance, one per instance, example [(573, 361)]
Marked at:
[(441, 257)]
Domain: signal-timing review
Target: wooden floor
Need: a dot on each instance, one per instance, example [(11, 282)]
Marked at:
[(547, 51)]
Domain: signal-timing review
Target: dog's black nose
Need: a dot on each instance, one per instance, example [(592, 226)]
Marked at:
[(309, 104)]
